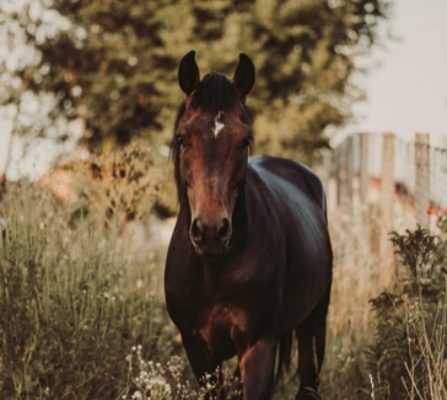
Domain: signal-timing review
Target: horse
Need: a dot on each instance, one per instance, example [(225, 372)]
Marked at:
[(249, 264)]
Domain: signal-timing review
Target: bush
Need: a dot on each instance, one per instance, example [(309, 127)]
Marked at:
[(73, 301), (408, 359), (127, 184)]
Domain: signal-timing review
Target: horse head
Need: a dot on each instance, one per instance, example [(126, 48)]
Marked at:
[(211, 145)]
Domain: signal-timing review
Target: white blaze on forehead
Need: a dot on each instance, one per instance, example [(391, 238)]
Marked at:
[(218, 125)]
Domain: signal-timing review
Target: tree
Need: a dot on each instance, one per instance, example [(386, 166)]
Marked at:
[(115, 66), (28, 120)]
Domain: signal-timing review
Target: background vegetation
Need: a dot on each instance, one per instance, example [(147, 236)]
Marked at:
[(73, 301), (113, 64), (81, 303), (83, 316)]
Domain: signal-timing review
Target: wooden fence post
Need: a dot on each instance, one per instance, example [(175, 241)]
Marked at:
[(388, 189), (328, 174), (326, 167), (363, 172), (422, 177), (345, 175), (340, 173), (350, 176)]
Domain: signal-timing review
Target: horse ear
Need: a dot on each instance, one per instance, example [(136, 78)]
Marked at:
[(188, 73), (244, 76)]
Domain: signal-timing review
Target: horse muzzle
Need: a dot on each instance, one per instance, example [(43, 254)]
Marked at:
[(210, 237)]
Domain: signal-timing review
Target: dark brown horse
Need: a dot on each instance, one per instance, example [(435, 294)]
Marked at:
[(250, 262)]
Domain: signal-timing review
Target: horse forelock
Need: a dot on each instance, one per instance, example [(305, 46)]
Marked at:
[(214, 93)]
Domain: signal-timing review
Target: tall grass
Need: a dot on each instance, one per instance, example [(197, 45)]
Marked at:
[(82, 314), (427, 351), (408, 354), (387, 330), (72, 302)]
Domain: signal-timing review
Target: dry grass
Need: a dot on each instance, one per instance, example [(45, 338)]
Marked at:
[(432, 355), (365, 266), (95, 294)]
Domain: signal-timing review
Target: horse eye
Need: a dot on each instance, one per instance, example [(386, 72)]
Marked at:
[(247, 141), (180, 139)]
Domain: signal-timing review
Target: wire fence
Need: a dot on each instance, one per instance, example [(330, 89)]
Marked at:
[(388, 171), (379, 183)]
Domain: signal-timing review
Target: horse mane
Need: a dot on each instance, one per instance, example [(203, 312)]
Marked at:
[(214, 93)]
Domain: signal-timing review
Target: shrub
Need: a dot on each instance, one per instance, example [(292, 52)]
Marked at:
[(408, 359), (127, 184)]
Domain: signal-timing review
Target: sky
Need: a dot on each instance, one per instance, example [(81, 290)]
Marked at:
[(406, 86)]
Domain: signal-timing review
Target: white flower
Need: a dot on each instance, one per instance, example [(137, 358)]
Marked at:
[(137, 395)]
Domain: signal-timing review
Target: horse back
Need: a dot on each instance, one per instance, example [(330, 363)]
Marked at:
[(296, 174)]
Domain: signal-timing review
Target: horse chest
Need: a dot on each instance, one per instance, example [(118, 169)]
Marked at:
[(220, 323)]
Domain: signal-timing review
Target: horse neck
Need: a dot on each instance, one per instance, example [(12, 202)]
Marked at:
[(240, 221)]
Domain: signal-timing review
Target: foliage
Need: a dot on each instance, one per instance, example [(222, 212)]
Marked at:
[(408, 359), (128, 184), (76, 298), (114, 66), (29, 119), (72, 301)]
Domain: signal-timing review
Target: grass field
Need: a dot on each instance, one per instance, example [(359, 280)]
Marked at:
[(82, 314)]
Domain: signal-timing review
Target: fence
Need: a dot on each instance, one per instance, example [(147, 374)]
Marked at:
[(385, 169), (386, 182)]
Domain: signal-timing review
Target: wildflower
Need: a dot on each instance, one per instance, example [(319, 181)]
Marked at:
[(137, 395)]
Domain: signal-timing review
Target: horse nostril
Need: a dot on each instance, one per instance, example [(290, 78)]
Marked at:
[(224, 228), (196, 230)]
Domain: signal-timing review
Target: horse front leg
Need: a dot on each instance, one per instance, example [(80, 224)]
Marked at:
[(204, 365), (257, 364)]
